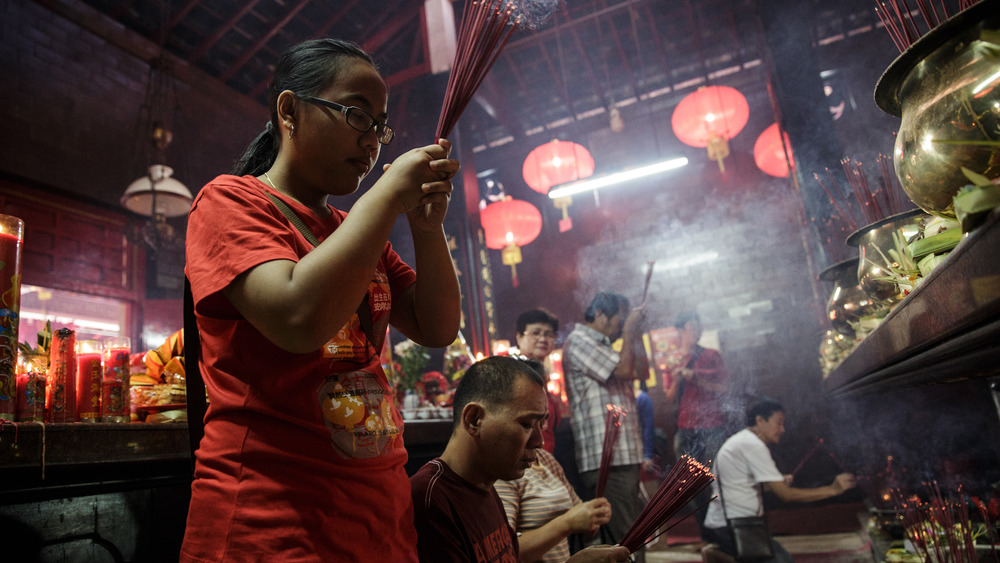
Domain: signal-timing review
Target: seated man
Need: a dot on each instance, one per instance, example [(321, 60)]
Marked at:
[(500, 408), (744, 465)]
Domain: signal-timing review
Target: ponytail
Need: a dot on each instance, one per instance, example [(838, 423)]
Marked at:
[(259, 156)]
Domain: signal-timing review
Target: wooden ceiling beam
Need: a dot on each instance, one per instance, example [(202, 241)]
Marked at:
[(249, 54), (225, 28)]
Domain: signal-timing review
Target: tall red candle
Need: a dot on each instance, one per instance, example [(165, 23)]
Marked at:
[(31, 387), (11, 237), (114, 388), (89, 373), (60, 396)]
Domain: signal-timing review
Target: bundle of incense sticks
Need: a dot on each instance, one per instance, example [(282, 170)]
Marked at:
[(612, 427), (904, 27), (486, 27), (939, 528), (869, 204), (685, 480)]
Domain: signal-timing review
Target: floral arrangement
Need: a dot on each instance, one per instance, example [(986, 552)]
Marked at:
[(435, 388), (411, 359)]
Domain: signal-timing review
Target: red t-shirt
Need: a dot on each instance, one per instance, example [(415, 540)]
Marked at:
[(700, 408), (458, 522), (303, 455)]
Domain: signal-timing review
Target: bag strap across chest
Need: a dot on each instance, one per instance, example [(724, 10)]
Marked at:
[(364, 312)]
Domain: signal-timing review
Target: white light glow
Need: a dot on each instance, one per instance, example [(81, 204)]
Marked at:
[(617, 178), (990, 80)]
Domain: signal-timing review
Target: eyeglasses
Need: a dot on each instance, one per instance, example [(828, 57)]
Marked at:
[(540, 334), (356, 118)]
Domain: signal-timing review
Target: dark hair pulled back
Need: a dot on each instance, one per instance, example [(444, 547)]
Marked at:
[(306, 69)]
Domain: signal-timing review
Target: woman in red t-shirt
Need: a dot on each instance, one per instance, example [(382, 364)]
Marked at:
[(302, 458)]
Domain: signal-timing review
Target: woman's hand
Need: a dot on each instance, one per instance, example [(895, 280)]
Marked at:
[(427, 206), (589, 516), (600, 554)]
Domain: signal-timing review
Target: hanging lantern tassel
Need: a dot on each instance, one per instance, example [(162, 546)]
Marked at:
[(566, 223), (511, 256), (718, 149)]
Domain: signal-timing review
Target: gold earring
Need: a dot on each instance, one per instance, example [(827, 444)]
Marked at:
[(290, 129)]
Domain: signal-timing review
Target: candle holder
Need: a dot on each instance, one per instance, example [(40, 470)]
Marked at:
[(114, 387), (60, 395), (11, 239), (89, 374), (31, 379)]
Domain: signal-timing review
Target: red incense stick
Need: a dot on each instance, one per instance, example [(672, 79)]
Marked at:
[(485, 30), (612, 427), (806, 457), (685, 480)]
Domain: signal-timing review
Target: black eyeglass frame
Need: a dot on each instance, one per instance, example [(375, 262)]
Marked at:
[(383, 132)]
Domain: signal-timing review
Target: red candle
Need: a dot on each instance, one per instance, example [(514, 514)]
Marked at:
[(116, 363), (11, 236), (60, 395), (113, 403), (89, 374), (31, 387), (31, 397), (114, 388)]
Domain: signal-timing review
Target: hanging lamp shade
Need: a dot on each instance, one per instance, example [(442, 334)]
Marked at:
[(508, 225), (709, 117), (769, 151), (556, 162), (172, 198)]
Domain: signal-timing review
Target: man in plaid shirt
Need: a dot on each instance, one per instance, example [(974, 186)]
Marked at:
[(596, 377)]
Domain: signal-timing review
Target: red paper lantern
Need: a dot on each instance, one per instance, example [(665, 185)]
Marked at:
[(556, 162), (769, 152), (508, 225), (709, 117)]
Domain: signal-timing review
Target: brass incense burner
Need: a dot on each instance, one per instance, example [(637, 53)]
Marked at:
[(946, 89), (848, 302)]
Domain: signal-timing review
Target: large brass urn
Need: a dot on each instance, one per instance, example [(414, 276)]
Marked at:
[(946, 89)]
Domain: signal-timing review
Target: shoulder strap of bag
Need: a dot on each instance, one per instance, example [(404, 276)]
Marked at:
[(760, 497), (694, 357), (364, 313)]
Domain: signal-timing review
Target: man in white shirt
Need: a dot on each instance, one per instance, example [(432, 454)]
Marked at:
[(744, 466)]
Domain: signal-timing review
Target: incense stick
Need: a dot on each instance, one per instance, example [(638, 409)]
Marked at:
[(684, 481), (649, 276), (612, 427), (487, 26), (806, 457), (904, 27)]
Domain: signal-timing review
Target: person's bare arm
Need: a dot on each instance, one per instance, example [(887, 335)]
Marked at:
[(630, 331), (787, 493), (299, 305), (583, 517), (600, 554)]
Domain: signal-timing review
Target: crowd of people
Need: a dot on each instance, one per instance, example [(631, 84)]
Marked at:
[(303, 455)]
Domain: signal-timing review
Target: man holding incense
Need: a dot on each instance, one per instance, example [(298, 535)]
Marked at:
[(744, 468), (499, 410), (698, 384), (597, 376)]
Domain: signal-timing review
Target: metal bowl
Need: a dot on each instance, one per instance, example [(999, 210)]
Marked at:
[(875, 261), (848, 302), (946, 89)]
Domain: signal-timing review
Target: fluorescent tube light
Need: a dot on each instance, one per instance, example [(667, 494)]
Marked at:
[(616, 178)]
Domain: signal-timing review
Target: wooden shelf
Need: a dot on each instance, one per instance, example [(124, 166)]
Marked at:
[(947, 329)]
